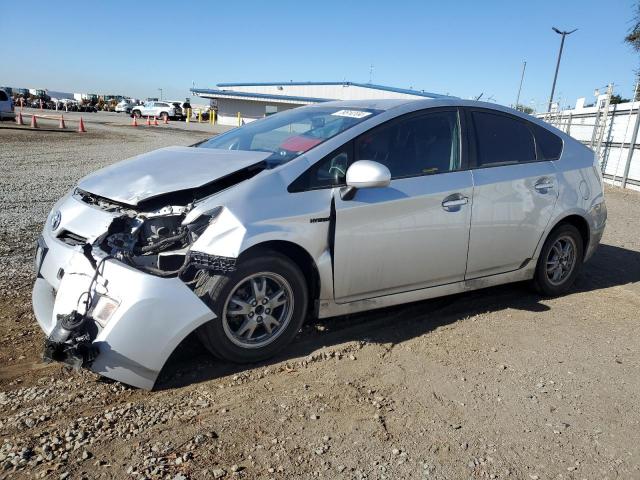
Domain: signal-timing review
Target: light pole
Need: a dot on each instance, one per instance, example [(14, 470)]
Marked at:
[(160, 94), (555, 77), (524, 67)]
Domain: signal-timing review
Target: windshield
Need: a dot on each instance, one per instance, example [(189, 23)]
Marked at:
[(291, 133)]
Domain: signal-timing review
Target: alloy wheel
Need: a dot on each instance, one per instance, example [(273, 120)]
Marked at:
[(258, 310), (561, 260)]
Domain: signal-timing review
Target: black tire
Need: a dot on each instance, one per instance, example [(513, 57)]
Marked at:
[(136, 113), (216, 338), (164, 115), (542, 281)]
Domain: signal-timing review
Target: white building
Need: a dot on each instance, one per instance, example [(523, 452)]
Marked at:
[(245, 102), (612, 134)]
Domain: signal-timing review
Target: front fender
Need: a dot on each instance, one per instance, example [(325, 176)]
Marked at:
[(229, 237)]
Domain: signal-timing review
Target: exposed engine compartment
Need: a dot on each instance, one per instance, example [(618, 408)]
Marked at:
[(150, 236), (156, 242)]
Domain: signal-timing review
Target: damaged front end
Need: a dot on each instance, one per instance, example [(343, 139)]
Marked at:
[(121, 270), (156, 242)]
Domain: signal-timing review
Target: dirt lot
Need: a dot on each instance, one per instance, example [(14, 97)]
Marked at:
[(498, 383)]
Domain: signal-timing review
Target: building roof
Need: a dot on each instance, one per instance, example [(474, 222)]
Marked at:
[(214, 92), (419, 93)]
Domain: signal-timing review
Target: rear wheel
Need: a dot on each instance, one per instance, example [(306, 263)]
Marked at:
[(260, 308), (164, 116), (560, 261)]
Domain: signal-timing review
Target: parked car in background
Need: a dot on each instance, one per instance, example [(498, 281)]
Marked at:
[(179, 105), (319, 211), (69, 104), (6, 106), (157, 109), (124, 106), (184, 107)]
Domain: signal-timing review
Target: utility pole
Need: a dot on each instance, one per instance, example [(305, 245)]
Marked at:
[(555, 77), (160, 94), (524, 67)]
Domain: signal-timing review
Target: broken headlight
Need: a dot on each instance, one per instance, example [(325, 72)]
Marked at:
[(158, 241)]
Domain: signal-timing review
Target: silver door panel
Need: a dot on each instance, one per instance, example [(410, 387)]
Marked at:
[(401, 237), (512, 206)]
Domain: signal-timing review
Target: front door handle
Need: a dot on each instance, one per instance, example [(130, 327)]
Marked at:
[(453, 202), (543, 185)]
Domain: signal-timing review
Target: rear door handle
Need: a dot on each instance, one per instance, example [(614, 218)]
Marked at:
[(543, 185), (453, 202)]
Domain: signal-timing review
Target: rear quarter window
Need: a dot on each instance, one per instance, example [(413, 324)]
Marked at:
[(549, 145), (3, 96)]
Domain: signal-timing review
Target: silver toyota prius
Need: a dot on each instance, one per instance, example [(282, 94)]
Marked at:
[(324, 210)]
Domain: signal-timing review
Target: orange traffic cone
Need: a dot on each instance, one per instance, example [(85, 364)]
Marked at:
[(166, 120), (19, 120), (148, 121), (34, 124), (81, 128), (155, 121), (62, 125), (135, 122)]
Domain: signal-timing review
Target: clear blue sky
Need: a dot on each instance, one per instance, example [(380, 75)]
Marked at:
[(461, 47)]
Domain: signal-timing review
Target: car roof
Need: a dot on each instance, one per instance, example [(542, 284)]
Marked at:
[(389, 104), (375, 104)]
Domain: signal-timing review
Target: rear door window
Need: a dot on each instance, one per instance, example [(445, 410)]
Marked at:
[(502, 140), (3, 96)]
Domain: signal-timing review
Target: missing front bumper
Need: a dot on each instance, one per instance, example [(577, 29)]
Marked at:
[(154, 315)]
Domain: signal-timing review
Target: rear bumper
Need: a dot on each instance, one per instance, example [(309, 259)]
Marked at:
[(594, 242), (598, 215), (153, 316)]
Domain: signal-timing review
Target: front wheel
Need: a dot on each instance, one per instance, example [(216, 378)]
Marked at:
[(137, 114), (560, 261), (259, 309)]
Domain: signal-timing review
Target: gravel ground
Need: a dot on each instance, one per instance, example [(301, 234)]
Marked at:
[(497, 383)]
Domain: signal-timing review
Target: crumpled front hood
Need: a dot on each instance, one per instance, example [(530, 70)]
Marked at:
[(166, 170)]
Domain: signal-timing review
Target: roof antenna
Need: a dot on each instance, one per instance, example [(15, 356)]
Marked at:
[(370, 74)]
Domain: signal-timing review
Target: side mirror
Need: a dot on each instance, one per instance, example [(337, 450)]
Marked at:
[(365, 174)]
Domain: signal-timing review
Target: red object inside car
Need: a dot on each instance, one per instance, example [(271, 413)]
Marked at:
[(299, 143)]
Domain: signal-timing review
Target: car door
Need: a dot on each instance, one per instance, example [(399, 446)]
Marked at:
[(158, 107), (514, 193), (147, 108), (414, 233)]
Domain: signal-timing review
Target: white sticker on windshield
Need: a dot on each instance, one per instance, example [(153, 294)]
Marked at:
[(352, 113)]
